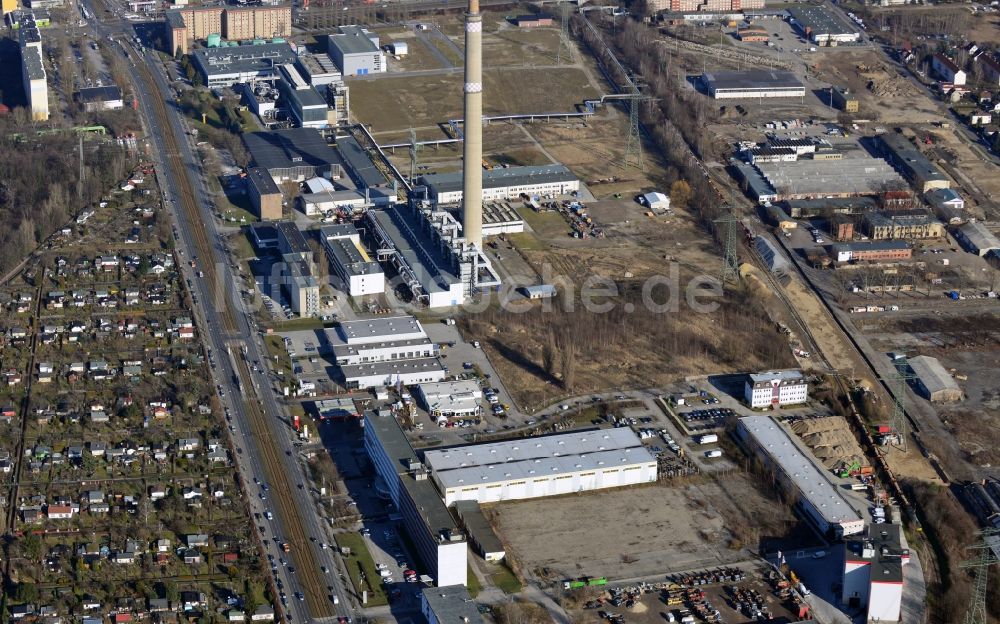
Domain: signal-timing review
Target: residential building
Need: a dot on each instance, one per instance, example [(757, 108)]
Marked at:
[(541, 466), (775, 389), (187, 24), (302, 287), (798, 472), (33, 75), (989, 69), (356, 51), (947, 70)]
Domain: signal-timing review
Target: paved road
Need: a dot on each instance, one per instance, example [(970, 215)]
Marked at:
[(208, 310)]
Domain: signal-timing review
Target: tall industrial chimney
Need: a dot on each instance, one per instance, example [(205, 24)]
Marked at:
[(472, 151)]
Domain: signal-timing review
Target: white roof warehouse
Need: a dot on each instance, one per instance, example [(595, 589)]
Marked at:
[(545, 466)]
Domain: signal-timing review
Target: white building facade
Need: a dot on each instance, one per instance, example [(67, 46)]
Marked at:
[(776, 389), (545, 466), (359, 273)]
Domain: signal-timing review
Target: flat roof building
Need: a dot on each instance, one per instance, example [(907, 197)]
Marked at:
[(934, 382), (381, 328), (356, 51), (439, 542), (355, 200), (902, 224), (307, 107), (265, 196), (186, 24), (753, 83), (807, 179), (226, 66), (480, 534), (822, 25), (911, 163), (350, 261), (798, 472), (542, 466), (449, 605), (872, 251), (293, 154), (873, 572), (359, 163), (500, 183), (450, 399)]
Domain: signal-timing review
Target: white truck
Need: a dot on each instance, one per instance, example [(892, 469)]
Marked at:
[(708, 438)]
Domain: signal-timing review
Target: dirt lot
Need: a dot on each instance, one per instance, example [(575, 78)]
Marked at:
[(397, 102), (655, 530)]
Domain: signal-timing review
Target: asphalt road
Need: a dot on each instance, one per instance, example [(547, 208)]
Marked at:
[(209, 309)]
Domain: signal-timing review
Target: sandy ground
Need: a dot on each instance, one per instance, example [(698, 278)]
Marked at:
[(620, 534)]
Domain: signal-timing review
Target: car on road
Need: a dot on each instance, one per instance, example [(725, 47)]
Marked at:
[(300, 595), (324, 569)]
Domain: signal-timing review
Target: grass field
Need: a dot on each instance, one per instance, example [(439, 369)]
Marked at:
[(397, 103), (298, 324), (360, 560)]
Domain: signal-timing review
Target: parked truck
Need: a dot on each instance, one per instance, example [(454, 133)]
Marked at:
[(708, 438)]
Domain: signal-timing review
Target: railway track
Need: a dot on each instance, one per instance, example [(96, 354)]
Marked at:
[(186, 198), (309, 576)]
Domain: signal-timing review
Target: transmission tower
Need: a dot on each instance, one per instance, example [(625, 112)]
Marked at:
[(981, 565), (730, 266), (414, 146), (563, 33), (900, 380)]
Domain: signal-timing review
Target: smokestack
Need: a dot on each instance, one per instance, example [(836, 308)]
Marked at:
[(472, 150)]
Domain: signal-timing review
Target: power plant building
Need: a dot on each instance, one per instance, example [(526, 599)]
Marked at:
[(797, 471), (307, 107), (873, 572), (227, 66), (543, 466), (356, 51), (359, 273), (754, 83), (294, 154), (439, 542), (499, 183)]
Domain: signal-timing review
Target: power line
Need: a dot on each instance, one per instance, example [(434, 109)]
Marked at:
[(989, 540), (730, 266)]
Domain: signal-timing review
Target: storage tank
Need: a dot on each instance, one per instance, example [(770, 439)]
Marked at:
[(214, 40)]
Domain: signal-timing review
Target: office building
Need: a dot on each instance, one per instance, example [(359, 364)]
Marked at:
[(302, 287), (350, 261), (265, 196), (797, 471), (775, 389), (439, 542), (356, 51), (449, 605), (752, 83), (384, 351), (499, 183), (542, 466), (873, 572), (451, 399)]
